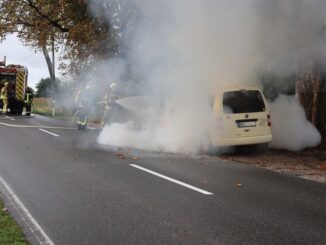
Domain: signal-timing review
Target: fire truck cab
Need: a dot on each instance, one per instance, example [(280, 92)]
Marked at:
[(16, 76)]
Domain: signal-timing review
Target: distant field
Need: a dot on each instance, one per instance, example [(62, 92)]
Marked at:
[(43, 106)]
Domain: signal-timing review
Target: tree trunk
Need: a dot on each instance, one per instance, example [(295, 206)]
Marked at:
[(48, 62), (307, 89), (322, 111), (315, 93)]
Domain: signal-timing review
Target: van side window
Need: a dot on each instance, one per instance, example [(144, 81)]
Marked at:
[(243, 101)]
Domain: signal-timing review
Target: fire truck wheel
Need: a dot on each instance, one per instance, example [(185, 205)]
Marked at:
[(12, 110), (20, 111)]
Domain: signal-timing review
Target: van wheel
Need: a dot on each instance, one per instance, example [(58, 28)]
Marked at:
[(209, 148), (220, 150), (212, 150), (261, 148)]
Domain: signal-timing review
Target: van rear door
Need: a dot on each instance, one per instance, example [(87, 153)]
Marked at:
[(244, 114)]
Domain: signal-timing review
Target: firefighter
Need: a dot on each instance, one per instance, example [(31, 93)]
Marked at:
[(82, 118), (82, 105), (28, 100), (4, 97), (109, 97)]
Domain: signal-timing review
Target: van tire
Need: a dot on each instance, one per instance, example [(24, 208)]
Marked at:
[(220, 150), (261, 148), (212, 150)]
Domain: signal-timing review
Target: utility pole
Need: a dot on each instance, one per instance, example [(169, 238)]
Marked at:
[(3, 62), (53, 78)]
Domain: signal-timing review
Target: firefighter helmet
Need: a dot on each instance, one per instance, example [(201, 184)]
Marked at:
[(113, 85)]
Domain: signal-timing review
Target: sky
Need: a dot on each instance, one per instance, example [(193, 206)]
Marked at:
[(17, 53)]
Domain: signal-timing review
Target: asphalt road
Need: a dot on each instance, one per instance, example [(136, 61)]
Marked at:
[(63, 188)]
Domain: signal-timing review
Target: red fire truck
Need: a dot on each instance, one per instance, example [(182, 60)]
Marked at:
[(16, 76)]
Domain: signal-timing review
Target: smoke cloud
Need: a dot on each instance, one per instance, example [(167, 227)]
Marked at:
[(291, 130), (180, 52)]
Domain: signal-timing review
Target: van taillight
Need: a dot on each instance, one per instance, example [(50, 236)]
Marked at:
[(219, 122), (269, 121)]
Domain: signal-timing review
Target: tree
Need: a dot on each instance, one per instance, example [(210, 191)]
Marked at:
[(307, 87), (69, 23), (44, 88)]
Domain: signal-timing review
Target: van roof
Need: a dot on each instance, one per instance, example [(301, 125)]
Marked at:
[(238, 87)]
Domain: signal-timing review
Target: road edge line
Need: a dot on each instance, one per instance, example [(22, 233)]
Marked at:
[(20, 207), (34, 126)]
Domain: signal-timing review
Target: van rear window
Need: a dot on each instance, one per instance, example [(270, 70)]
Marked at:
[(243, 101)]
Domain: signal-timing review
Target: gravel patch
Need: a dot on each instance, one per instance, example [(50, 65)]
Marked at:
[(309, 164)]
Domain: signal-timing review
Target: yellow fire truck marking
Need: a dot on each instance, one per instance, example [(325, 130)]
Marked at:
[(20, 86)]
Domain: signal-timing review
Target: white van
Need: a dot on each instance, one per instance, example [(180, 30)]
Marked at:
[(241, 117)]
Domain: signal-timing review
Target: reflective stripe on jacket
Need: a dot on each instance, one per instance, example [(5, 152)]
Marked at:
[(28, 97), (4, 93)]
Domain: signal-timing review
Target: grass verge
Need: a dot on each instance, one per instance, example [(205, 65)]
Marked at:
[(43, 106), (10, 232)]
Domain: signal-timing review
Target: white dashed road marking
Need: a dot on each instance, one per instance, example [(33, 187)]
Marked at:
[(172, 180), (45, 131), (12, 119)]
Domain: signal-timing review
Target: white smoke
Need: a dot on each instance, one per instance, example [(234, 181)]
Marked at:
[(290, 128), (166, 138), (185, 50)]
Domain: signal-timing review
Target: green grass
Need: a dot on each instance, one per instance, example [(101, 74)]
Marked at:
[(10, 232), (43, 106)]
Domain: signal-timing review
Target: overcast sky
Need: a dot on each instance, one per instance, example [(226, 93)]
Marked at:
[(18, 54)]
